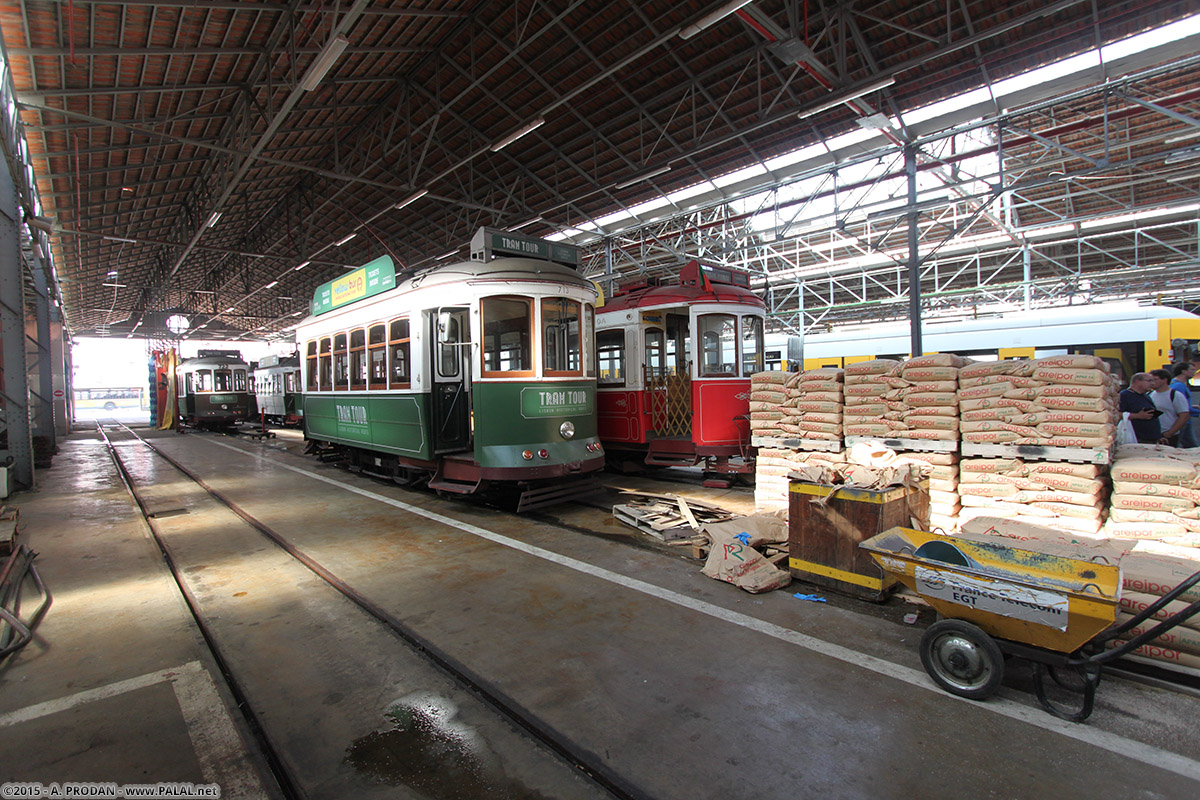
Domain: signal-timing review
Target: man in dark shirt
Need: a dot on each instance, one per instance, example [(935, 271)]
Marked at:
[(1142, 413)]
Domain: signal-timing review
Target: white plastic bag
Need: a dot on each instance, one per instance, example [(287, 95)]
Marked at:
[(1125, 432)]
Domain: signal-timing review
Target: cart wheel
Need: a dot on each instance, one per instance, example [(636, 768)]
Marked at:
[(962, 659)]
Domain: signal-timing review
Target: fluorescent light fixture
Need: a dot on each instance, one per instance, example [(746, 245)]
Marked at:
[(523, 224), (345, 239), (1182, 137), (645, 177), (302, 265), (846, 97), (120, 239), (411, 199), (325, 59), (112, 273), (226, 311), (711, 19), (518, 133), (1182, 155), (115, 285), (271, 285), (446, 255), (216, 215)]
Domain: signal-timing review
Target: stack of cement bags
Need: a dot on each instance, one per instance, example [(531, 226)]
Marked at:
[(866, 412), (772, 467), (1059, 494), (1057, 401), (1156, 495), (943, 489), (768, 393), (814, 405), (1148, 571), (914, 399)]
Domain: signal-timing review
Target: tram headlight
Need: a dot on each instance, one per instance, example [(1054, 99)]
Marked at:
[(567, 429)]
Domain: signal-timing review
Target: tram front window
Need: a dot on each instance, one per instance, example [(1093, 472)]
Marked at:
[(718, 345), (507, 335), (561, 346), (204, 380), (752, 346)]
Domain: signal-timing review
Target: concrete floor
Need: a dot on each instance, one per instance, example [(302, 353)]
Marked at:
[(679, 686)]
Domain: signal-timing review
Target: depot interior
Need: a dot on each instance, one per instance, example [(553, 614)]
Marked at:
[(1007, 191)]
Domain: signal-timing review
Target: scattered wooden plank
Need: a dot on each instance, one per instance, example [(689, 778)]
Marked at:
[(687, 513)]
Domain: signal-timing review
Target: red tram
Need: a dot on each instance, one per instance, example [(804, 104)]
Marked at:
[(674, 371)]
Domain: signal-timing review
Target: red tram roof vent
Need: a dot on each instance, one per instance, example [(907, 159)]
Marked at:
[(704, 275)]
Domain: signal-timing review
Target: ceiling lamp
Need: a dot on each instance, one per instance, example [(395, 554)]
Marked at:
[(847, 97), (645, 176), (411, 199), (517, 134), (325, 60), (716, 16)]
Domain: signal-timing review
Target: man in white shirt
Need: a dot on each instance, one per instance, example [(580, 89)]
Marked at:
[(1173, 405)]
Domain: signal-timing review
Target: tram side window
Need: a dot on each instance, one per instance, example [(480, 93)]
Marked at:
[(310, 351), (204, 380), (654, 353), (326, 365), (358, 359), (239, 380), (507, 335), (752, 346), (377, 356), (561, 344), (291, 382), (399, 350), (589, 340), (610, 345), (341, 362), (718, 345), (678, 344)]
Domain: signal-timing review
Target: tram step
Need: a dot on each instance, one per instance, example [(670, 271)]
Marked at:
[(668, 459), (552, 493)]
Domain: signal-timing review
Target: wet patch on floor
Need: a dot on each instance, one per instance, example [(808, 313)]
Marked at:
[(427, 749)]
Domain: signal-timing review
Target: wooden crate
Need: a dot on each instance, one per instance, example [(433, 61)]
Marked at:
[(823, 537)]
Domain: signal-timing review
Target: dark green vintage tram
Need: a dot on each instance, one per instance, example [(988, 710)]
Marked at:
[(469, 374)]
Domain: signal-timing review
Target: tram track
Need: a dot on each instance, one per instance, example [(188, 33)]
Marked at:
[(580, 761)]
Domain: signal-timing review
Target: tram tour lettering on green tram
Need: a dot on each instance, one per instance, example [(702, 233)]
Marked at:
[(537, 401), (351, 415)]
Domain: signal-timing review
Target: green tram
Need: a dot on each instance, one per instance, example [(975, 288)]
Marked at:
[(472, 374)]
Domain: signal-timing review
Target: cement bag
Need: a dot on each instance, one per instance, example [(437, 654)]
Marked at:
[(733, 562), (929, 373), (815, 386), (988, 465), (1155, 470), (769, 377), (866, 390), (1141, 515), (979, 414), (936, 360), (1183, 639), (919, 399), (1143, 530), (938, 459), (1069, 390), (1078, 377), (1073, 403), (1063, 468), (945, 475), (1141, 502), (995, 437), (940, 498), (989, 390), (986, 490), (765, 396), (877, 366), (1156, 490), (987, 368), (868, 430), (819, 407), (1155, 569), (1054, 497), (1093, 512), (823, 373), (931, 411), (1163, 654), (1042, 538), (931, 434), (1073, 362)]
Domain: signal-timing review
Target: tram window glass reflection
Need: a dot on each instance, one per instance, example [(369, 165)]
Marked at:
[(610, 346), (449, 353), (398, 350), (222, 380), (326, 382), (341, 362), (589, 340), (752, 346), (561, 345), (654, 352), (358, 359), (718, 344), (507, 335), (239, 380), (377, 356), (311, 355)]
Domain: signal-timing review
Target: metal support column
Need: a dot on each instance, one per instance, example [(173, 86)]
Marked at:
[(914, 256), (15, 386), (42, 398)]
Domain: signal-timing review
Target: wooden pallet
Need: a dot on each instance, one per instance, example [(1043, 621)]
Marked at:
[(1079, 455), (902, 443), (828, 445), (8, 530), (668, 517)]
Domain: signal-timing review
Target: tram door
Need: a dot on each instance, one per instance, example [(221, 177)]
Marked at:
[(451, 401)]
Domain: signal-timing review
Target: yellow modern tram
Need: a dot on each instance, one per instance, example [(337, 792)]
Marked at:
[(1131, 338)]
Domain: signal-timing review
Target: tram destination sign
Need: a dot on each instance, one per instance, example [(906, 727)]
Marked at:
[(366, 281), (542, 401), (489, 243)]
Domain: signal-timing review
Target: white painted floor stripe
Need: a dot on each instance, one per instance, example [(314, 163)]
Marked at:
[(219, 750), (1120, 745), (223, 757)]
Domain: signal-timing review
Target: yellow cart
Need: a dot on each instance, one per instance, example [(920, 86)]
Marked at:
[(996, 600)]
